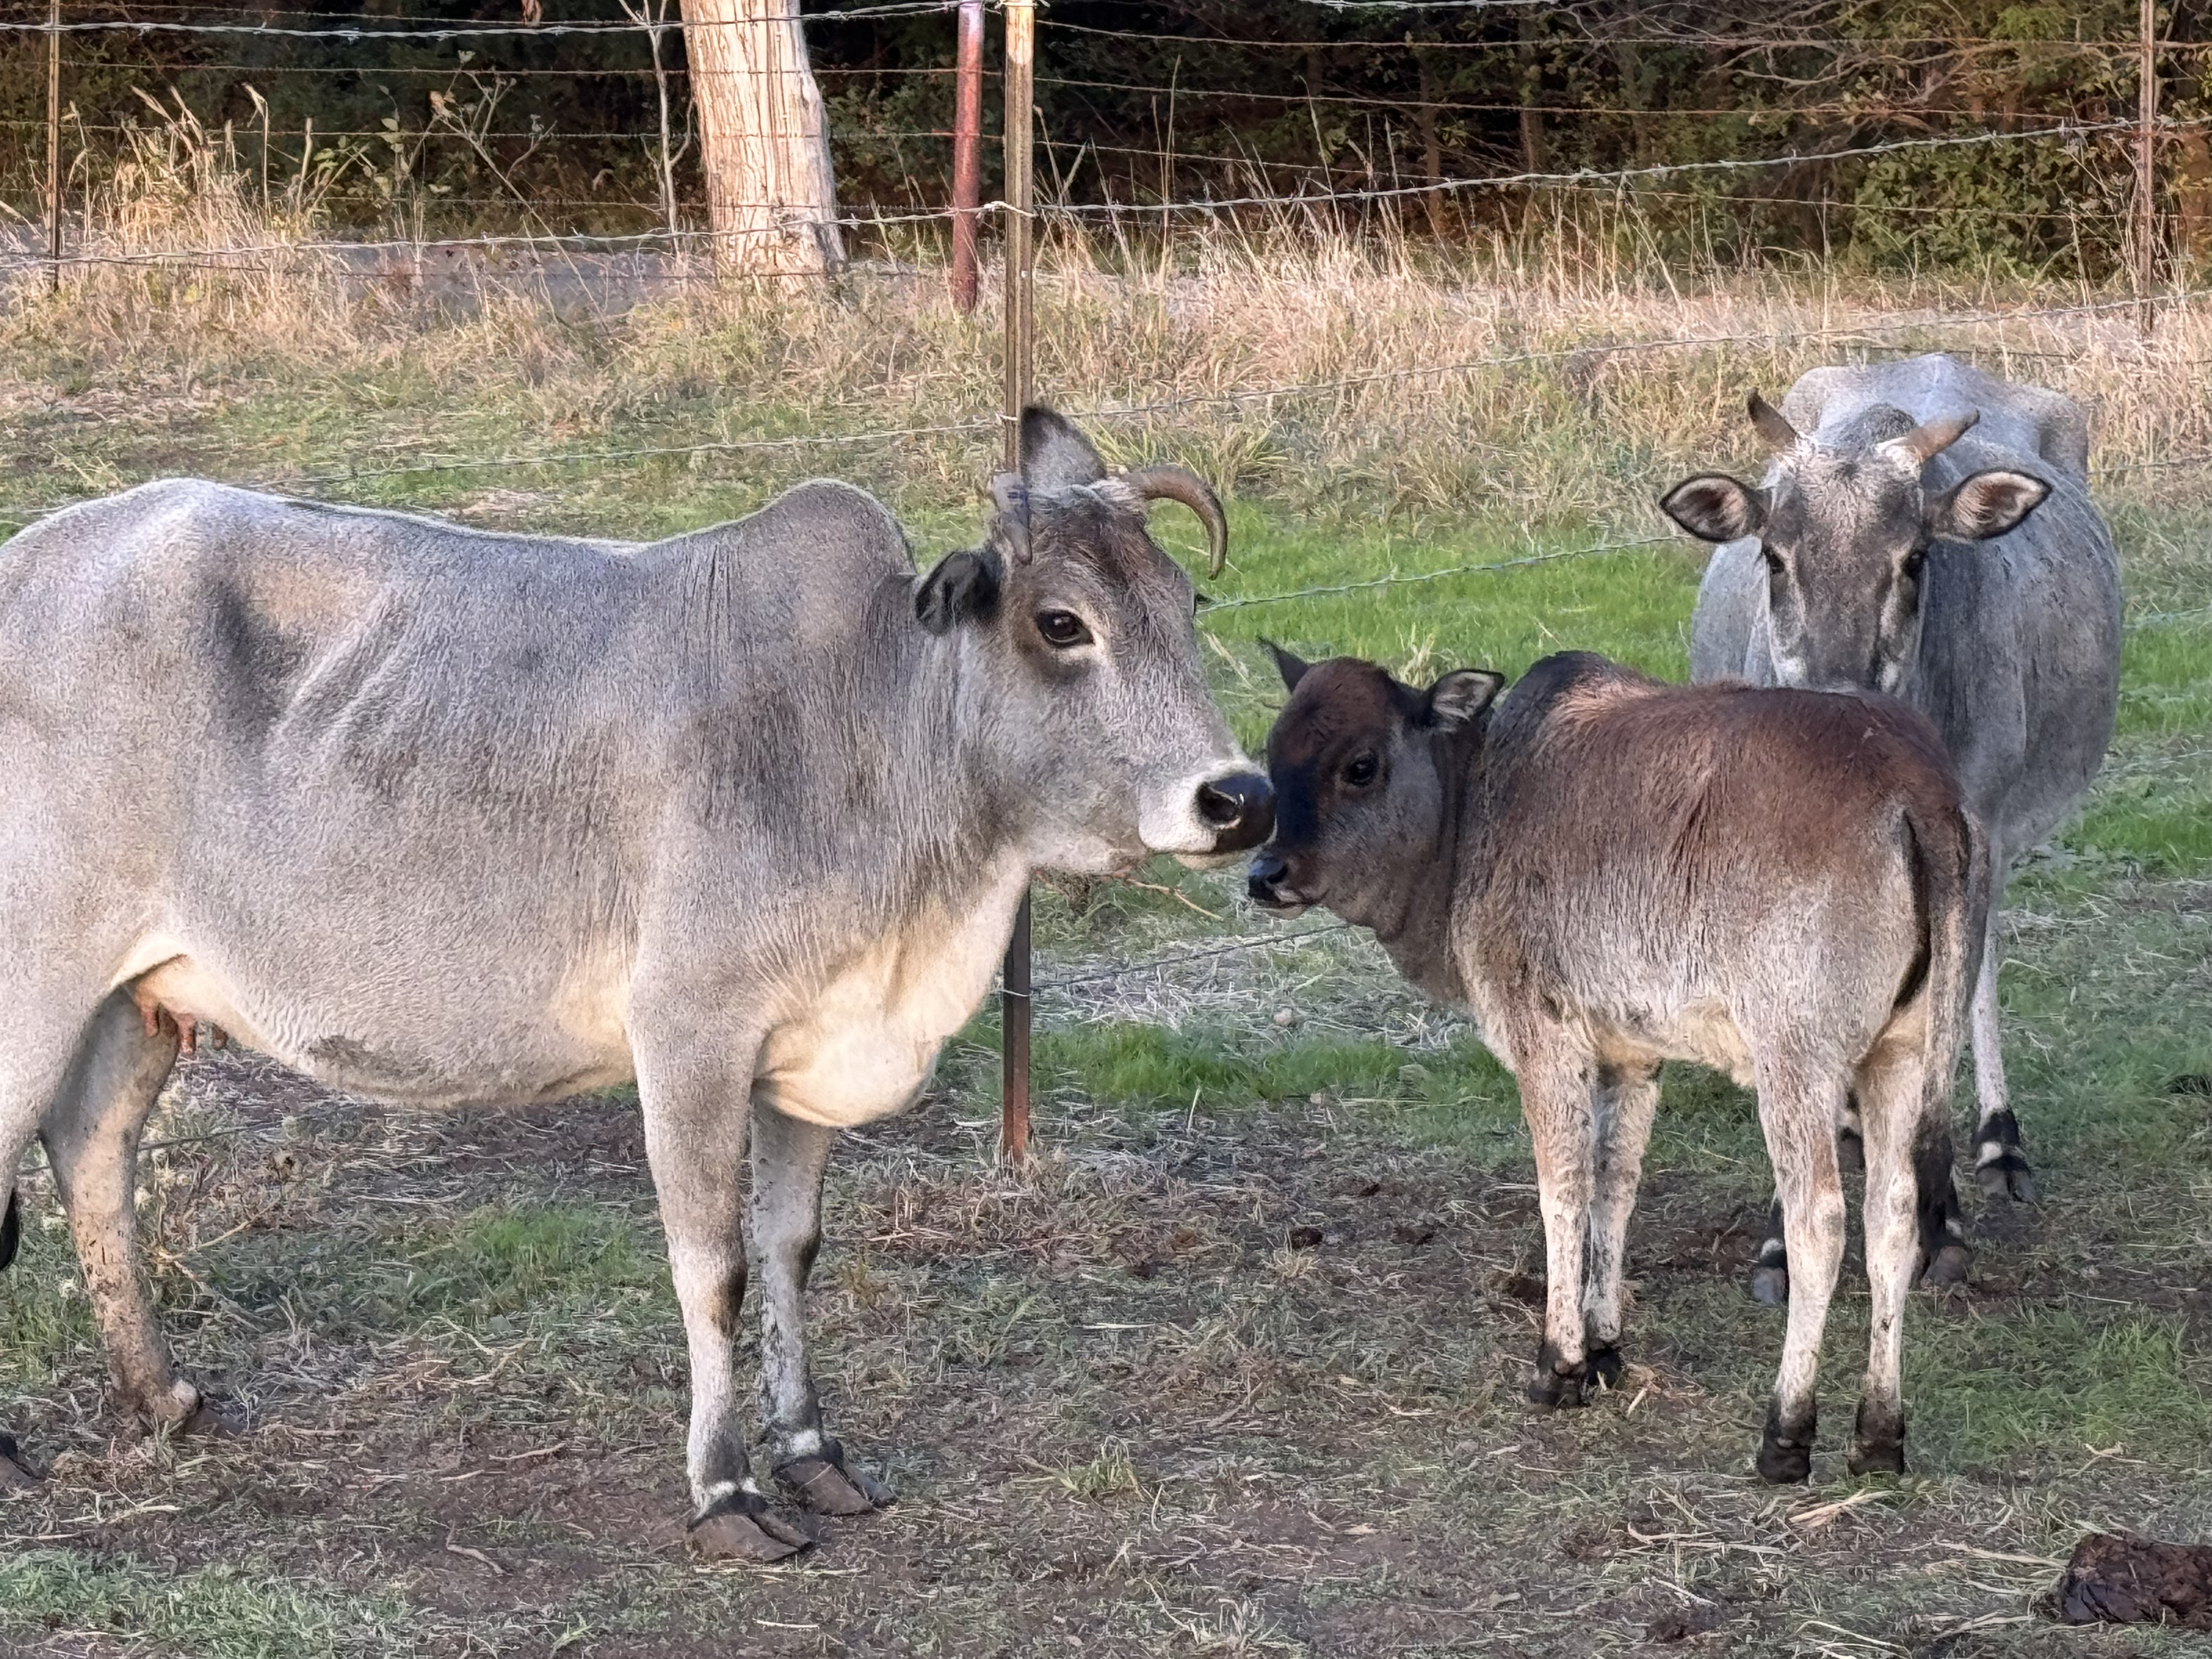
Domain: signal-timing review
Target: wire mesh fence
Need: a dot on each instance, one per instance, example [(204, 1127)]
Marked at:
[(515, 204)]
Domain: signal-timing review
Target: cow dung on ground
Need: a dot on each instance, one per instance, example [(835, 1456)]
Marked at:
[(2115, 1579)]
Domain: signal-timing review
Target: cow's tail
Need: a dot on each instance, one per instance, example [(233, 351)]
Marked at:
[(1950, 857)]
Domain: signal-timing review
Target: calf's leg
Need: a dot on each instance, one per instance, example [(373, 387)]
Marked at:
[(789, 1157), (697, 1102), (1626, 1097), (91, 1133), (1892, 1084), (1999, 1160), (1798, 1109), (1557, 1099)]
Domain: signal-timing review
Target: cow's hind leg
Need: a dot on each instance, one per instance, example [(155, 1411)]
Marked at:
[(1999, 1159), (1799, 1114), (91, 1135), (1626, 1097), (697, 1105), (789, 1157)]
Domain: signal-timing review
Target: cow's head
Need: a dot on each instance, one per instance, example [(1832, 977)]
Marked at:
[(1082, 631), (1846, 528), (1362, 765)]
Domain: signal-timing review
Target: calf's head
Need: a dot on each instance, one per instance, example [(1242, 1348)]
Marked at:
[(1078, 634), (1363, 767), (1845, 528)]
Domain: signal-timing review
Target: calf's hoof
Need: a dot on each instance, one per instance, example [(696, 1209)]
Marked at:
[(16, 1471), (1785, 1454), (1770, 1286), (1877, 1457), (744, 1529), (1559, 1384), (826, 1483)]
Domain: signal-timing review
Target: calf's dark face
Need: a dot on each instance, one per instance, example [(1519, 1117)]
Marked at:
[(1846, 533), (1361, 765)]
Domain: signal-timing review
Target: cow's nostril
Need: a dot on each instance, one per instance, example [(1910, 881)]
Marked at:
[(1241, 808)]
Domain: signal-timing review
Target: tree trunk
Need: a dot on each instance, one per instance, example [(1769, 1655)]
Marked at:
[(763, 139)]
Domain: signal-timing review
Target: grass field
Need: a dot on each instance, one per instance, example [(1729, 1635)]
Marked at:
[(1237, 1368)]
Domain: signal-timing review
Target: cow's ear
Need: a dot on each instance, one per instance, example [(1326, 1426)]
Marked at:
[(1987, 504), (1715, 508), (961, 588), (1291, 665), (1459, 697), (1053, 453)]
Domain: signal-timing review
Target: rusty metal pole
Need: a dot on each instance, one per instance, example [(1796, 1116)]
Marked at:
[(2146, 225), (54, 142), (1020, 273), (967, 154)]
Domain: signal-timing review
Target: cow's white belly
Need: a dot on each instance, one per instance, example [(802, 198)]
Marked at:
[(863, 1046)]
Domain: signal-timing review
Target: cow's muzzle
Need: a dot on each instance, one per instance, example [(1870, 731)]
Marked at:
[(1240, 809)]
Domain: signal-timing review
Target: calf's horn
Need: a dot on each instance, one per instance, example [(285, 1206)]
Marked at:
[(1011, 496), (1931, 438), (1177, 483)]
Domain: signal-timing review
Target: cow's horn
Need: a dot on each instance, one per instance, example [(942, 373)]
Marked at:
[(1011, 496), (1772, 425), (1177, 483), (1931, 438)]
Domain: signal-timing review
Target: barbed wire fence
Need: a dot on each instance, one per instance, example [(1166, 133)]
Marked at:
[(663, 247)]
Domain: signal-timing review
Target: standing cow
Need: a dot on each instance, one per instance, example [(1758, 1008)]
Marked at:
[(1611, 873), (1891, 548), (438, 816)]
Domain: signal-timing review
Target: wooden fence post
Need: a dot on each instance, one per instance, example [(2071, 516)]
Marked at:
[(967, 154), (1020, 272)]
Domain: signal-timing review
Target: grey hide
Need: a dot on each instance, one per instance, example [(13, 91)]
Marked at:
[(441, 816), (1916, 550), (1611, 873)]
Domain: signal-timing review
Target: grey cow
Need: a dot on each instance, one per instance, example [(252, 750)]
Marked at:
[(441, 816), (1891, 547)]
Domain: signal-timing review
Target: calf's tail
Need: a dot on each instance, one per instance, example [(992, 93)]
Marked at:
[(1951, 873)]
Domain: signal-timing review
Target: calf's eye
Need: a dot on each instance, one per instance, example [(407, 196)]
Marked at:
[(1062, 630), (1362, 771)]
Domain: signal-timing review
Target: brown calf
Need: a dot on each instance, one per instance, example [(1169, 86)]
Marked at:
[(1610, 872)]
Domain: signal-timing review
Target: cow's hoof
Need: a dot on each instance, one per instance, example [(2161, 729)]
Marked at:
[(734, 1535), (2008, 1176), (828, 1485), (1877, 1457), (1603, 1364), (1770, 1286), (1785, 1453), (1950, 1265), (1557, 1385), (16, 1471)]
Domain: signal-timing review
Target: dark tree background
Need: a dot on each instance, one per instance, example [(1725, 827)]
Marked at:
[(1187, 99)]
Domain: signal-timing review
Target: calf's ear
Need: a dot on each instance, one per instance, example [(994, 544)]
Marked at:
[(961, 588), (1459, 697), (1985, 504), (1291, 666), (1715, 508)]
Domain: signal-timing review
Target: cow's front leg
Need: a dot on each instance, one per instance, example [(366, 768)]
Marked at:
[(695, 1115), (789, 1156)]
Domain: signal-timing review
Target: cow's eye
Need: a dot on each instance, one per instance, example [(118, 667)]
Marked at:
[(1774, 561), (1362, 771), (1915, 561), (1062, 630)]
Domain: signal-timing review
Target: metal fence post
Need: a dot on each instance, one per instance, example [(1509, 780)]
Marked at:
[(1020, 271), (54, 142), (2146, 225), (967, 154)]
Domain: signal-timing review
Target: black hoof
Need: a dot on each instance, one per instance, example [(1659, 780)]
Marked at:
[(1878, 1439), (1770, 1286), (16, 1473), (1604, 1365), (1877, 1457), (1950, 1265), (743, 1528), (2008, 1176), (826, 1483), (1785, 1455), (1557, 1385)]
